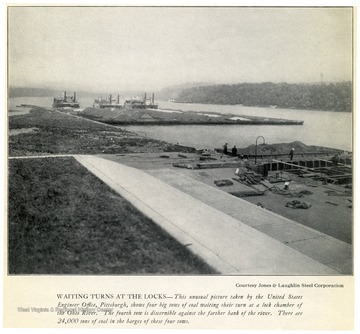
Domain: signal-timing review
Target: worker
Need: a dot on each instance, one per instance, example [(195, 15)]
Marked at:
[(291, 154), (225, 148), (335, 159), (234, 151)]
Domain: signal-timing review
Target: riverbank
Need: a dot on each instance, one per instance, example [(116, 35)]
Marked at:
[(45, 131), (42, 131), (51, 133), (314, 131)]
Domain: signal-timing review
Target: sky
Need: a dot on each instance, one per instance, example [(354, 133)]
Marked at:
[(150, 48)]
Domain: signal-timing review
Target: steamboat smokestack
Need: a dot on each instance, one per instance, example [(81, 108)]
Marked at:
[(153, 98), (145, 97), (118, 101), (74, 96), (65, 95), (110, 98)]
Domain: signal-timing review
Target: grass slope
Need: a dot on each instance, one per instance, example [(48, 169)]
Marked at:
[(58, 133), (63, 220)]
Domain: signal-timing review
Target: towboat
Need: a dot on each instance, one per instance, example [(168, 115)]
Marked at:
[(66, 101)]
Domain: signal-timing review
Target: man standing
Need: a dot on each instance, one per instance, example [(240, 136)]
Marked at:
[(335, 159), (291, 154), (225, 150), (234, 151)]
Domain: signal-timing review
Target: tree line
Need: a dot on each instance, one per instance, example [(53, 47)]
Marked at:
[(330, 96)]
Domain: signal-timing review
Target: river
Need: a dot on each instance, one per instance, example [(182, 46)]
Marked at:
[(322, 128)]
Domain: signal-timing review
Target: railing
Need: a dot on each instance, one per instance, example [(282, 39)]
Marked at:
[(286, 155)]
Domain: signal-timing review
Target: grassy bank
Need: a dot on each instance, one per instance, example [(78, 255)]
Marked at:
[(63, 220), (57, 133)]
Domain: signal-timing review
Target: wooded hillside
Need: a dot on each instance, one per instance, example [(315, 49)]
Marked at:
[(331, 97)]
